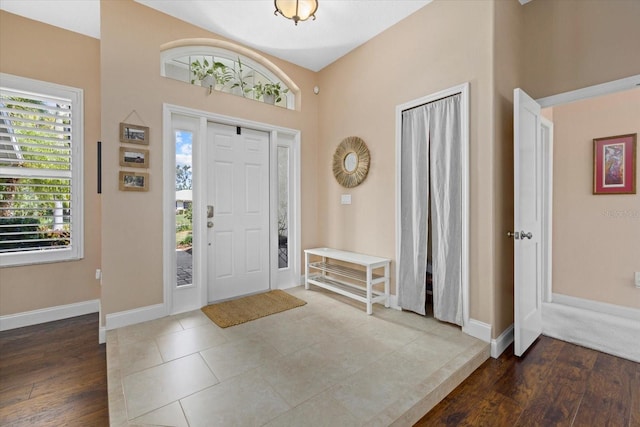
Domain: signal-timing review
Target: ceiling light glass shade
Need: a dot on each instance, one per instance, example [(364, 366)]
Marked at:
[(298, 10)]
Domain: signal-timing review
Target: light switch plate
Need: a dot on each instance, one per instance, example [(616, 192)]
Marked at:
[(345, 199), (637, 279)]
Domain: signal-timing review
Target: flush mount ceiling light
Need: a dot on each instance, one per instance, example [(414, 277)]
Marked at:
[(298, 10)]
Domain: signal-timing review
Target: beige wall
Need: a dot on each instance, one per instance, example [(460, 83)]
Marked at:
[(130, 59), (34, 50), (596, 238), (508, 60), (421, 55), (572, 44)]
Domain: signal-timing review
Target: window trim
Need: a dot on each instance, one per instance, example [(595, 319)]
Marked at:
[(76, 96)]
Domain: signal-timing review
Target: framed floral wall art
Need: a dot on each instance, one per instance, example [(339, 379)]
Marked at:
[(614, 164)]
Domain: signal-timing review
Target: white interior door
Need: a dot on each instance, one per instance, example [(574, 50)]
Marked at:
[(527, 221), (238, 190)]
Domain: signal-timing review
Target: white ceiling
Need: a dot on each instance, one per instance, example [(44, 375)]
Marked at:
[(341, 25), (80, 16)]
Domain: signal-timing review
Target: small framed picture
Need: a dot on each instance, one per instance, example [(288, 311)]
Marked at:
[(614, 164), (134, 157), (134, 134), (133, 181)]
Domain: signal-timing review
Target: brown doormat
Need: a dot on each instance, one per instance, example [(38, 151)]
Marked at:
[(235, 312)]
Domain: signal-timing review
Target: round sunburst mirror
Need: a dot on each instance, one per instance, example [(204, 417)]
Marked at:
[(351, 162)]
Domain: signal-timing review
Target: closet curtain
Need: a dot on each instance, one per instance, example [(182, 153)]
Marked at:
[(431, 170)]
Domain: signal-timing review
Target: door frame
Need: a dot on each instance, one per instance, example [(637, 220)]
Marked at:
[(463, 90), (200, 268), (607, 88), (546, 138)]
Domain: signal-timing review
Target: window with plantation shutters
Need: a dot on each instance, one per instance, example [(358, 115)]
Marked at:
[(40, 172)]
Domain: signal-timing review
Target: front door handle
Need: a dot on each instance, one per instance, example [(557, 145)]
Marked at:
[(515, 235), (524, 235), (209, 224)]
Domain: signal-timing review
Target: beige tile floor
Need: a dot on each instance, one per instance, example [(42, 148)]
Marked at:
[(324, 364)]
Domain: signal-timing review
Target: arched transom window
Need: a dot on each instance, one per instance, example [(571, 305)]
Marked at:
[(226, 67)]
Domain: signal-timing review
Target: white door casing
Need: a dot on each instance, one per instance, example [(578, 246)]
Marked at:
[(280, 279), (238, 189), (527, 221), (469, 325), (547, 207)]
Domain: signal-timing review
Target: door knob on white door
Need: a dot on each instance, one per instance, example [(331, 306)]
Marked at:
[(524, 235), (209, 224)]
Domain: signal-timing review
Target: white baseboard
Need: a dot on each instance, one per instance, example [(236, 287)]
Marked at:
[(35, 317), (612, 334), (499, 344), (137, 315), (600, 307), (478, 329)]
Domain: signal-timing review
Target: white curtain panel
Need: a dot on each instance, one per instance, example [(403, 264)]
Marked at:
[(446, 209), (414, 210), (431, 149)]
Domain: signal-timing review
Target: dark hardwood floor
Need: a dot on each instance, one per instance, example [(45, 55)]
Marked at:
[(54, 374), (555, 384)]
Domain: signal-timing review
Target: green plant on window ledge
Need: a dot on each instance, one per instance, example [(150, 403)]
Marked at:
[(270, 92), (207, 73), (240, 79), (200, 70)]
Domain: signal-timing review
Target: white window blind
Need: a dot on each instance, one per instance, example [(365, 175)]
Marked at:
[(40, 161)]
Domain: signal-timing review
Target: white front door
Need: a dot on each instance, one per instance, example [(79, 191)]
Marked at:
[(238, 190), (527, 221)]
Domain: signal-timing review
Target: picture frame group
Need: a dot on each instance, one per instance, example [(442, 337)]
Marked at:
[(133, 157), (614, 164)]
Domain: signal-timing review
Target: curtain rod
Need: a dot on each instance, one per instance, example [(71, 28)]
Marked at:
[(431, 102)]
